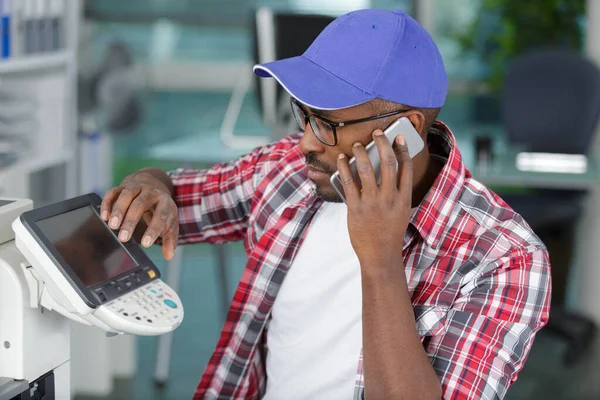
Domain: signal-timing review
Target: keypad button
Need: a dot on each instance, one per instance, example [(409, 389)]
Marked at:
[(170, 303)]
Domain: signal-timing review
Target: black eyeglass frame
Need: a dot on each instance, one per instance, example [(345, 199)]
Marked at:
[(309, 119)]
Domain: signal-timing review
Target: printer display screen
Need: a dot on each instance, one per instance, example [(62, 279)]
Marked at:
[(89, 247)]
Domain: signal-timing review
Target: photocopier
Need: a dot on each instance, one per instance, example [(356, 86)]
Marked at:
[(62, 262)]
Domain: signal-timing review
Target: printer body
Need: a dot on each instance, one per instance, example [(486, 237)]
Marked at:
[(62, 262)]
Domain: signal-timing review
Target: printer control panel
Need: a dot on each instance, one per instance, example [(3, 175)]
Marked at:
[(153, 306)]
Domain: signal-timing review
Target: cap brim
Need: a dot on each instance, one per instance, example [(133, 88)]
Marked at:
[(312, 85)]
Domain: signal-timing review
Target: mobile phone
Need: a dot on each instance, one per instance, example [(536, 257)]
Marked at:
[(400, 126)]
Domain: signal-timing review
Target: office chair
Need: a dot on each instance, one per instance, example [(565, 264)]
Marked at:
[(551, 104)]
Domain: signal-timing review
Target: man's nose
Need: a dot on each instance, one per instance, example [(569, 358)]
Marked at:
[(309, 142)]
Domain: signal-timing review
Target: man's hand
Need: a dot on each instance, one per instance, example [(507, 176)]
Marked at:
[(143, 194), (395, 363), (378, 215)]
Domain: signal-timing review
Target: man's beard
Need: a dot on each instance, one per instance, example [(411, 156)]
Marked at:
[(325, 193), (329, 196)]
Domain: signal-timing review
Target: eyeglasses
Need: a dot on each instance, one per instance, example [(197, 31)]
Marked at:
[(324, 129)]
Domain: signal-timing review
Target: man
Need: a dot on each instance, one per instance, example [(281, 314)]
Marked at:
[(425, 286)]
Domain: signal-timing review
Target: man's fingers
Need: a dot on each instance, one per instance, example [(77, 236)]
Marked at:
[(164, 223), (405, 175), (108, 201), (389, 163), (351, 191), (121, 206), (147, 217), (158, 224), (170, 242), (365, 169), (140, 204)]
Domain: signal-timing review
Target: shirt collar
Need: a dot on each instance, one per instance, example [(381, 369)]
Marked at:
[(432, 215)]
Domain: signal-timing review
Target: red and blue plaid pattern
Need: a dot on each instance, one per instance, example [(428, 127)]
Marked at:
[(479, 278)]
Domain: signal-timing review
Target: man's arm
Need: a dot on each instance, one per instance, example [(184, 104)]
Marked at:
[(480, 343), (190, 206), (483, 343), (395, 363), (214, 205)]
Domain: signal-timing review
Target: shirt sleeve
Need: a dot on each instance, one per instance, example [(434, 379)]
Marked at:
[(214, 204), (490, 328)]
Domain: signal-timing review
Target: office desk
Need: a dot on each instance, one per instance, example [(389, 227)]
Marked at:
[(503, 170), (196, 150)]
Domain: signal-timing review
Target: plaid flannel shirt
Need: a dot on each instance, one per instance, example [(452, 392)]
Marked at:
[(478, 277)]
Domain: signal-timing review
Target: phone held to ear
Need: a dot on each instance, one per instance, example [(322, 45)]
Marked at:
[(400, 126)]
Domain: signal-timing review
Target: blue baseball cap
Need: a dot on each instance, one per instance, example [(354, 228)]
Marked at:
[(363, 55)]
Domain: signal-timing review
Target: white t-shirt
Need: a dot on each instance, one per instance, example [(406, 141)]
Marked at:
[(315, 334)]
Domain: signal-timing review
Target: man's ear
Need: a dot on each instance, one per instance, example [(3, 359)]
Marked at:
[(418, 121)]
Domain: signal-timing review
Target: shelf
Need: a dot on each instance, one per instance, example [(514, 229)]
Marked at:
[(35, 62), (29, 163)]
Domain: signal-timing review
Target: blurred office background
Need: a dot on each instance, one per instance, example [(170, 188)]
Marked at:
[(130, 84)]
